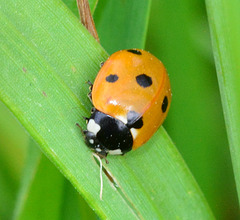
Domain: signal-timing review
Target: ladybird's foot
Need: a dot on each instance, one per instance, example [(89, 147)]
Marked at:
[(90, 89), (103, 155), (107, 162), (101, 64), (86, 119), (90, 96), (93, 110), (89, 83)]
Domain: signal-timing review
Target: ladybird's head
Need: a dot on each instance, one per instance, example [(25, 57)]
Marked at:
[(107, 135)]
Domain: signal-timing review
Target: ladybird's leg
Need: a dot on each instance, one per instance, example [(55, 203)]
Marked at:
[(86, 119), (90, 90), (90, 96), (93, 110), (103, 155), (101, 64), (90, 84)]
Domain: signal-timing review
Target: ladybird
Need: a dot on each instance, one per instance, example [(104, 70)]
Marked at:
[(131, 96)]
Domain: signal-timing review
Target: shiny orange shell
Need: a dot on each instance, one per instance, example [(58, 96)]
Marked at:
[(124, 93)]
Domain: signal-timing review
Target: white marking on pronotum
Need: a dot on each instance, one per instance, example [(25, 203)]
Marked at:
[(93, 127), (134, 133), (115, 152), (101, 179), (121, 118)]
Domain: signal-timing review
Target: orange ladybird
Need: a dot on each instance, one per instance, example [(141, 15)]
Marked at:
[(131, 97)]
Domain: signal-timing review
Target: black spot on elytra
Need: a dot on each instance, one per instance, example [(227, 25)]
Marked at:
[(165, 104), (143, 80), (134, 120), (135, 51), (112, 78)]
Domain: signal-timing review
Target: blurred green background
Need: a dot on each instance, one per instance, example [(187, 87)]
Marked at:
[(178, 34)]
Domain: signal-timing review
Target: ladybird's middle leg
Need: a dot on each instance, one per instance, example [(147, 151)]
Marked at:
[(90, 90)]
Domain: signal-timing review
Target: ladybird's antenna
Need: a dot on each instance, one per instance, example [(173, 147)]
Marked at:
[(101, 179)]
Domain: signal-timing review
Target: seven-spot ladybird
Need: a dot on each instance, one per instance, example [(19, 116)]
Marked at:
[(131, 97)]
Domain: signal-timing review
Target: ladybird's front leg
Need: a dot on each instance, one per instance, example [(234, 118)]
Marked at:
[(103, 155), (90, 90)]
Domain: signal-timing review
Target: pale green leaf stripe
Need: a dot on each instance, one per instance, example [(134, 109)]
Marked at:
[(40, 195), (32, 89), (13, 140), (31, 164), (224, 20)]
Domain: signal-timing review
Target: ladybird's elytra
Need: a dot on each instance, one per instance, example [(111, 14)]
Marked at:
[(131, 97)]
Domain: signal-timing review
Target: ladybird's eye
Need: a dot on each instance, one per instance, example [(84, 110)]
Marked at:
[(143, 80), (165, 104), (135, 51), (112, 78)]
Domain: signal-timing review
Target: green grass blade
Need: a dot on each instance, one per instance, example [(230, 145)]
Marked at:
[(179, 36), (74, 207), (224, 20), (13, 142), (40, 195), (45, 61), (122, 24)]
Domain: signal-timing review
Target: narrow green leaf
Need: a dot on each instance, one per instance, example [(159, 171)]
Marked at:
[(224, 20), (122, 24), (40, 195), (13, 142), (73, 206), (31, 164), (178, 35), (46, 60)]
